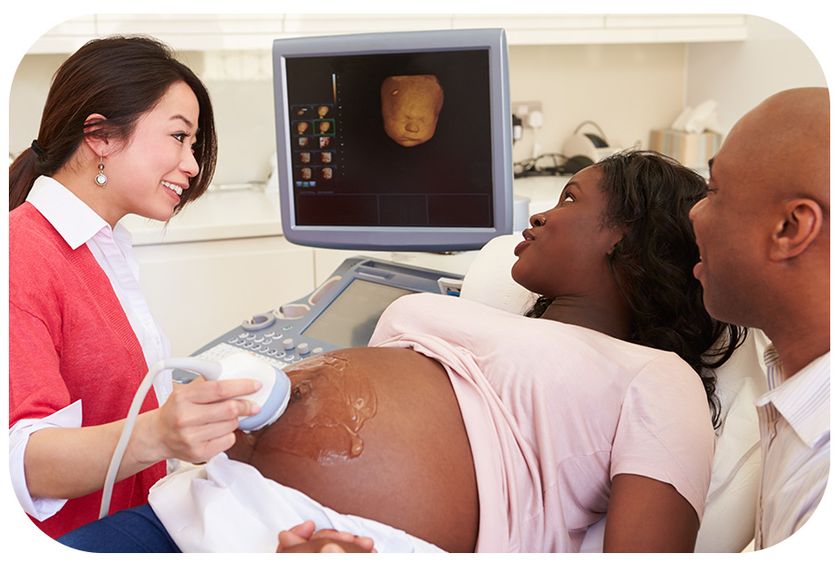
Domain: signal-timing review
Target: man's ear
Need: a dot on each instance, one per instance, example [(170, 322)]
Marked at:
[(95, 137), (803, 220)]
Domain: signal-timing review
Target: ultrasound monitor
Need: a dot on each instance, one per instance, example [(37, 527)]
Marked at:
[(394, 141)]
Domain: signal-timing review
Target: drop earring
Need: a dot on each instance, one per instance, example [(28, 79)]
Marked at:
[(101, 179)]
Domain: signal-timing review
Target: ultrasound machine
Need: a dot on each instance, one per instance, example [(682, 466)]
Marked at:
[(345, 183)]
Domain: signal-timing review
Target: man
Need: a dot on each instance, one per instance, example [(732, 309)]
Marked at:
[(763, 234)]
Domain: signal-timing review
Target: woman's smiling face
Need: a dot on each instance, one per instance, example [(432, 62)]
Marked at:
[(150, 172)]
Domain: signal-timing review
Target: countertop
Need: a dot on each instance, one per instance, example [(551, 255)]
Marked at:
[(250, 213), (217, 215)]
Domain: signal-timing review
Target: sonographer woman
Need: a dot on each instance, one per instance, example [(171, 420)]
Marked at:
[(126, 129)]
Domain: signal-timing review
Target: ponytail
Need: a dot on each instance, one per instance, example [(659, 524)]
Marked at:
[(22, 174)]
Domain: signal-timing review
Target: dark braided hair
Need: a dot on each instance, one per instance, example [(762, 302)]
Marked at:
[(649, 195)]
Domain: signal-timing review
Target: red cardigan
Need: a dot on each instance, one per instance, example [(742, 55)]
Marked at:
[(69, 340)]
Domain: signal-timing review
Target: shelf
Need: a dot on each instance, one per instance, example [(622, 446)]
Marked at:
[(210, 32)]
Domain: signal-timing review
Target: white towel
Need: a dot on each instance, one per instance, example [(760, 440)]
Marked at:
[(228, 506)]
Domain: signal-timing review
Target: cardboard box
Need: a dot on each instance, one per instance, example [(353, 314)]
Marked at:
[(691, 150)]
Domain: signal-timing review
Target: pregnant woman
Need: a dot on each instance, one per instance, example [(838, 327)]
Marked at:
[(474, 429)]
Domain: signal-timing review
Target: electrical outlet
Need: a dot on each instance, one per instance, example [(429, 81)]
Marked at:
[(523, 109)]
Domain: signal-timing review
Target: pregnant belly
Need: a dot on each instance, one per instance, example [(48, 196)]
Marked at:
[(375, 432)]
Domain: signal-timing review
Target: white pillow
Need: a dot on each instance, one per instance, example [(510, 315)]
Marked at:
[(488, 279), (729, 517)]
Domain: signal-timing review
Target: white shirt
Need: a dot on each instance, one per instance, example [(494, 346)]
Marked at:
[(794, 424), (79, 225)]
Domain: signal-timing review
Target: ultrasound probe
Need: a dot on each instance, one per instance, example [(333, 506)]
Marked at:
[(272, 397)]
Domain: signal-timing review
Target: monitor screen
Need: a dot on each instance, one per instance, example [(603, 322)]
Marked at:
[(351, 317), (397, 141)]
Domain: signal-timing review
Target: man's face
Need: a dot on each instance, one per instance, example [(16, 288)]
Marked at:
[(730, 225), (410, 108)]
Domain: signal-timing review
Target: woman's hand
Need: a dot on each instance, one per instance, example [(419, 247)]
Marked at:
[(198, 419), (196, 423), (304, 539)]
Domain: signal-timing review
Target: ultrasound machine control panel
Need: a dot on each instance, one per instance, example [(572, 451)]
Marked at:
[(342, 312)]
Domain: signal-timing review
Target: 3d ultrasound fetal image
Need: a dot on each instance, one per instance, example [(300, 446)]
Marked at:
[(411, 105)]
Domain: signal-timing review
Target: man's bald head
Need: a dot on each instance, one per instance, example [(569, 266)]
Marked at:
[(783, 145)]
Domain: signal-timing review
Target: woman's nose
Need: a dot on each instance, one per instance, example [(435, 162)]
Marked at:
[(537, 219), (190, 165)]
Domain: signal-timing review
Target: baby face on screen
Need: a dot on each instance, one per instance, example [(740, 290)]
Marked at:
[(411, 105)]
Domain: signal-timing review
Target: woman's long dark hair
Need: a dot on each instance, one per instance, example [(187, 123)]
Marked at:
[(120, 78), (649, 196)]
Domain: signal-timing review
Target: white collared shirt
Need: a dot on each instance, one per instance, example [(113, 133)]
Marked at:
[(794, 424), (79, 225)]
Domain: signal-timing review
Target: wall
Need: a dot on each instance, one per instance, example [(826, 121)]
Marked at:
[(740, 75), (27, 96), (626, 89)]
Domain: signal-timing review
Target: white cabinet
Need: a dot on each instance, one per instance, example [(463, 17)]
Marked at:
[(326, 24), (578, 29), (199, 32), (199, 290), (67, 36), (183, 32), (678, 28), (213, 32)]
